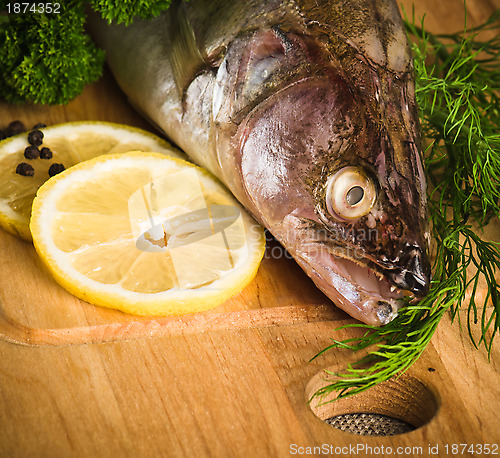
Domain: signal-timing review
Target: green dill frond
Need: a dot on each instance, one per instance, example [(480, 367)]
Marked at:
[(458, 98), (47, 58), (457, 81)]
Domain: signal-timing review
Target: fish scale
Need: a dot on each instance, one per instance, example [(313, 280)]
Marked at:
[(293, 105)]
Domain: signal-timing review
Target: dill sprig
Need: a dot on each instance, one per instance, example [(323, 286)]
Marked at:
[(457, 80)]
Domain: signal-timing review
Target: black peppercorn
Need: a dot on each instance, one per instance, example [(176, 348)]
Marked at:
[(45, 153), (55, 169), (25, 169), (14, 128), (40, 125), (35, 137), (31, 152)]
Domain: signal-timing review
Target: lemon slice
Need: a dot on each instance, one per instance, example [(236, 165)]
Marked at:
[(145, 234), (69, 143)]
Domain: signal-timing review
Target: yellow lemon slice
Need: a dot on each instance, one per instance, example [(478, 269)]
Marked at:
[(69, 144), (145, 234)]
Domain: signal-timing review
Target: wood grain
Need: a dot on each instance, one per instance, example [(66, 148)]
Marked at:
[(77, 380)]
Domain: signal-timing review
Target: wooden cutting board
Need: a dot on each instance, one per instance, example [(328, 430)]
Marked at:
[(77, 380)]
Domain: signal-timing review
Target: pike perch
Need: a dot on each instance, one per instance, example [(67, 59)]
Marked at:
[(306, 110)]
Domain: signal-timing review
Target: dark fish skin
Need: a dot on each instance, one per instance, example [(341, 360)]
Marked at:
[(306, 110)]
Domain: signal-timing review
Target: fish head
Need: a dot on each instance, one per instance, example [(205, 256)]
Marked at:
[(322, 144)]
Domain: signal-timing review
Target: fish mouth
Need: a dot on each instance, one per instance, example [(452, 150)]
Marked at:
[(355, 283), (353, 286)]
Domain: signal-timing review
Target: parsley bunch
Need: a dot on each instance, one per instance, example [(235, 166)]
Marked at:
[(47, 58)]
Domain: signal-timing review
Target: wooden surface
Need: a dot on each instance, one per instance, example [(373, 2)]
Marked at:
[(76, 380)]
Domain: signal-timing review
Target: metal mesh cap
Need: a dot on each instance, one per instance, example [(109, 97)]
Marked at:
[(369, 424)]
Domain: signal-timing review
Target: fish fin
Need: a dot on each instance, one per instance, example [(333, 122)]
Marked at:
[(185, 57)]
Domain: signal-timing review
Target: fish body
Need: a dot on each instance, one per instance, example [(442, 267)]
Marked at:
[(306, 110)]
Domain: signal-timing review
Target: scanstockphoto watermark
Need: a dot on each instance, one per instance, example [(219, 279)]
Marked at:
[(171, 216), (323, 240), (479, 449), (356, 449)]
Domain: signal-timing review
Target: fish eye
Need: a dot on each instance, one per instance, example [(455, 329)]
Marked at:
[(350, 193)]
